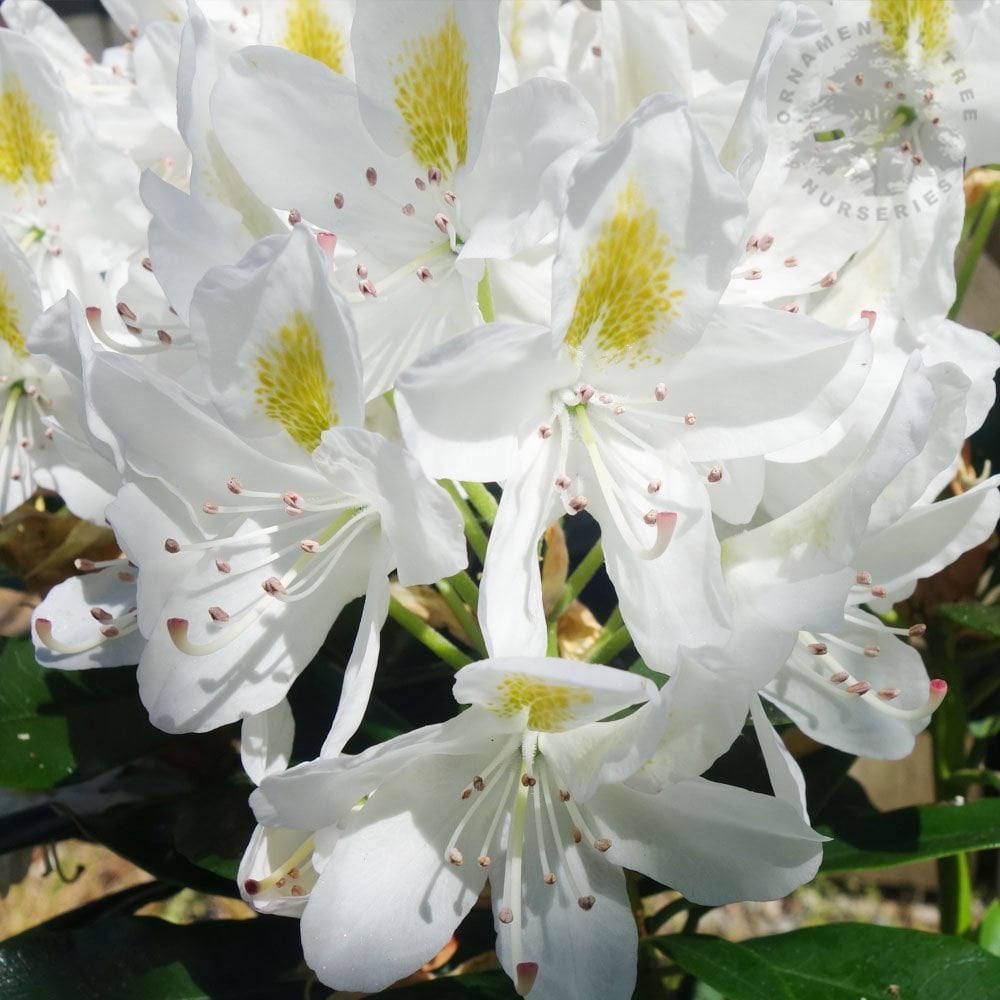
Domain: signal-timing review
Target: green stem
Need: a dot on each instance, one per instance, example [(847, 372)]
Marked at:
[(955, 894), (443, 648), (579, 579), (968, 776), (552, 632), (614, 637), (695, 913), (467, 589), (949, 727), (484, 501), (972, 216), (658, 920), (473, 531), (484, 293), (977, 244), (461, 612)]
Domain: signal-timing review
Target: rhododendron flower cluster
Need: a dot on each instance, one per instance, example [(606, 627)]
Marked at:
[(315, 300)]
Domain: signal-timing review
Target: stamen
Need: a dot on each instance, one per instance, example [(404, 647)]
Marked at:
[(292, 869), (97, 328), (512, 874), (525, 976), (43, 630), (665, 521)]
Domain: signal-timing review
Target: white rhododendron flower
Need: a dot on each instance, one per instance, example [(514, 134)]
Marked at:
[(413, 168), (623, 408), (530, 790), (287, 509), (67, 201)]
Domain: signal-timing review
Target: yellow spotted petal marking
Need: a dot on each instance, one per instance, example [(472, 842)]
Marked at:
[(293, 387), (432, 95), (550, 706), (517, 28), (308, 30), (27, 146), (625, 295), (923, 20), (10, 322)]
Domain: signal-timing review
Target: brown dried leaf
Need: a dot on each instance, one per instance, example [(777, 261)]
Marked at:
[(40, 547), (429, 606), (577, 631), (978, 182), (555, 566), (15, 611)]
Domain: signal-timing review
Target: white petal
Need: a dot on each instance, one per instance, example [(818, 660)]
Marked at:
[(388, 900), (426, 75), (67, 606), (738, 412), (266, 741), (786, 777), (463, 405), (359, 674), (853, 724), (510, 594), (420, 520), (713, 843), (579, 953), (647, 242), (517, 188), (278, 345), (558, 694), (930, 537), (746, 145)]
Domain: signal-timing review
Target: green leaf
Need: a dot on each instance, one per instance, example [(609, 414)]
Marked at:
[(34, 748), (838, 962), (989, 929), (147, 958), (56, 724), (917, 833), (732, 969), (981, 618), (181, 840)]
